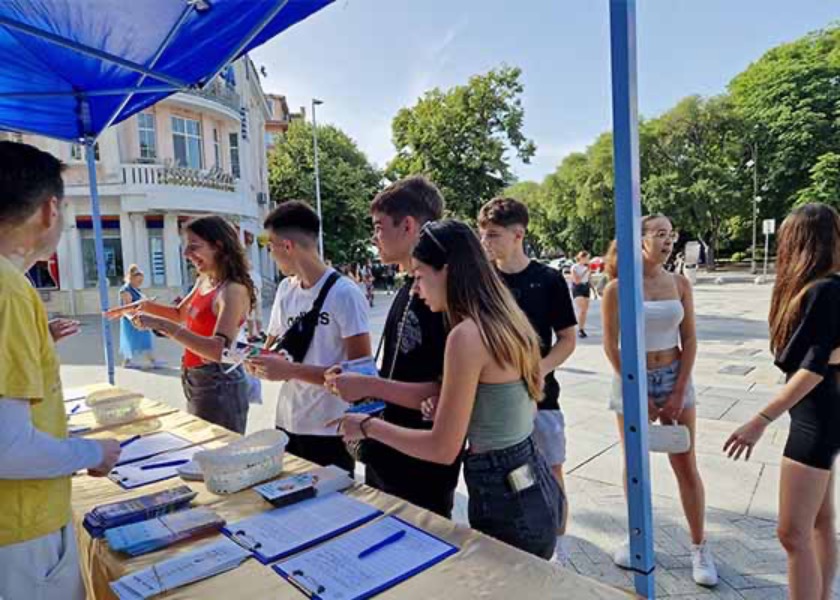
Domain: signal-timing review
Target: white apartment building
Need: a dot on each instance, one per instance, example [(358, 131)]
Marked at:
[(189, 155)]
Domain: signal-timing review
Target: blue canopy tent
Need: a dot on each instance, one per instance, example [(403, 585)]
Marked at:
[(70, 70), (73, 69)]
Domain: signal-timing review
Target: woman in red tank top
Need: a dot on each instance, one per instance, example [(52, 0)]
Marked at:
[(207, 321)]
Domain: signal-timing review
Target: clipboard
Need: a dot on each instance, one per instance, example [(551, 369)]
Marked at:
[(147, 446), (343, 553), (284, 531), (134, 475)]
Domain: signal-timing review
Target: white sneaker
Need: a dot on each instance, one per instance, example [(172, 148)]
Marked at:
[(561, 553), (703, 565), (621, 557)]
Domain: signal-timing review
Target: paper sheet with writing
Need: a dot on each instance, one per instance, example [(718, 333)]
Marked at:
[(152, 534), (201, 563), (74, 394), (151, 445), (334, 571), (279, 532), (133, 475)]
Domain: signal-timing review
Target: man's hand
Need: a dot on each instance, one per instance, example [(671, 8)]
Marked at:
[(110, 455), (271, 366), (350, 387), (62, 328)]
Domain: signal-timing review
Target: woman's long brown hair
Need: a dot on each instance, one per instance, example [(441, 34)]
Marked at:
[(231, 263), (808, 250), (475, 291)]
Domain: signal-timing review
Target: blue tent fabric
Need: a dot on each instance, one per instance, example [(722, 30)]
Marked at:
[(185, 45)]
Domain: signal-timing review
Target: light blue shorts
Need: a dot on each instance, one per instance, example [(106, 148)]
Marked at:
[(660, 383)]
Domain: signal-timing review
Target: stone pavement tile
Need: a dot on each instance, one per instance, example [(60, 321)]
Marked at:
[(602, 571), (729, 485), (713, 407), (765, 503)]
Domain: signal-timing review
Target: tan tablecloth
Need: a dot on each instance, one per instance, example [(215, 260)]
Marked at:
[(483, 568)]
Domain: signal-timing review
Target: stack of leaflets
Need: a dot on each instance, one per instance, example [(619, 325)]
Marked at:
[(203, 562), (147, 536), (317, 482), (137, 509)]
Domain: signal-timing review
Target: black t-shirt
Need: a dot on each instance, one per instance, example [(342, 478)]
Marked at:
[(543, 295), (818, 332), (418, 359)]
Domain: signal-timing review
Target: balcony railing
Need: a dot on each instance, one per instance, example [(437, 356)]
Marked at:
[(219, 91), (168, 174)]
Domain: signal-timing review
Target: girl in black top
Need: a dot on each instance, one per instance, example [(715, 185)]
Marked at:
[(805, 339)]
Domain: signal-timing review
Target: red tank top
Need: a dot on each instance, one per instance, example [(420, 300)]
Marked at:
[(200, 320)]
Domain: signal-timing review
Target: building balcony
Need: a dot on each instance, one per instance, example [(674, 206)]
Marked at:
[(216, 96), (168, 174)]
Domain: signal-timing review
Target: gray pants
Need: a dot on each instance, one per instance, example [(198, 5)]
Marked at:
[(216, 396), (44, 568)]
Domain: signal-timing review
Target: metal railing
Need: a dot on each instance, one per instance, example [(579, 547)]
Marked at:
[(218, 91), (171, 174)]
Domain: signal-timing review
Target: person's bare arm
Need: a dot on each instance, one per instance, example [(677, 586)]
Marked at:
[(609, 318), (466, 356)]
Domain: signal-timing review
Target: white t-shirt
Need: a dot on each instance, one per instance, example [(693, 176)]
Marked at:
[(582, 271), (304, 408)]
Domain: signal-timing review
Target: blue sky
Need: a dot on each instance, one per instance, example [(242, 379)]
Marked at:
[(368, 58)]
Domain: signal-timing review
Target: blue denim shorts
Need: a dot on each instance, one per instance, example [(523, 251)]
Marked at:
[(218, 397), (660, 383), (527, 519)]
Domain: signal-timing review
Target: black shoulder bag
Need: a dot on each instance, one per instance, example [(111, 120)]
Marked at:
[(298, 336)]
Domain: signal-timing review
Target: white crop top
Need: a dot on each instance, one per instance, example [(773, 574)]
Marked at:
[(662, 324)]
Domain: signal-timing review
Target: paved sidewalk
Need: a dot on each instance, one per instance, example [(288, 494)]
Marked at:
[(734, 377)]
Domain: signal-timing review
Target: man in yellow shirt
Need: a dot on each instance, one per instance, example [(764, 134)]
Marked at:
[(38, 556)]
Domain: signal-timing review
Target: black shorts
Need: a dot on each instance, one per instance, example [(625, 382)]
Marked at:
[(580, 290), (807, 445)]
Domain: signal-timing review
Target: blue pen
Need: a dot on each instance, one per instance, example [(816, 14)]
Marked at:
[(130, 440), (386, 542), (171, 463), (76, 408)]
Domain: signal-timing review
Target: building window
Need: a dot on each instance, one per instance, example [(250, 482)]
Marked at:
[(157, 258), (217, 151), (77, 151), (146, 132), (113, 257), (186, 138), (234, 155)]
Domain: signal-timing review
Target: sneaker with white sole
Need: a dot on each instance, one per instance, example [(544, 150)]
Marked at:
[(621, 556), (703, 565)]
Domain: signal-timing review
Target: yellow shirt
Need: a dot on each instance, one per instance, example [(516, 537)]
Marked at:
[(29, 368)]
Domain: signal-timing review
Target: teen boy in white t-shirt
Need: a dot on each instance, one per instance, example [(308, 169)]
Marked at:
[(342, 333)]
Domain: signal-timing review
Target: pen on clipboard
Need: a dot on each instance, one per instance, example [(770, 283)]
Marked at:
[(391, 539), (130, 440), (171, 463), (76, 408)]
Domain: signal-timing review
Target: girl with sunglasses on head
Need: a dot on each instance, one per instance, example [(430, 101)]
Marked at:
[(671, 349), (491, 381), (805, 339)]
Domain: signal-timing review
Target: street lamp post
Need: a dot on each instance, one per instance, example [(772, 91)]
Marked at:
[(316, 102), (754, 164)]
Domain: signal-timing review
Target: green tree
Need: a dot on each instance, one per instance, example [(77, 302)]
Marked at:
[(693, 167), (825, 182), (460, 138), (790, 98), (348, 184)]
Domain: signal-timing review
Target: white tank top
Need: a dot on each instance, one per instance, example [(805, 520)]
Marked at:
[(662, 324), (582, 272)]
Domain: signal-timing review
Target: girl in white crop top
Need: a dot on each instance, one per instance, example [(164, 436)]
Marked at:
[(671, 349)]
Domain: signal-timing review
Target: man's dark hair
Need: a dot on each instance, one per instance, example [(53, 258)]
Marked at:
[(293, 216), (413, 196), (28, 178), (503, 212)]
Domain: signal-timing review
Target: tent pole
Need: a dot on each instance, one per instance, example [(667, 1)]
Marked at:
[(96, 217), (628, 233)]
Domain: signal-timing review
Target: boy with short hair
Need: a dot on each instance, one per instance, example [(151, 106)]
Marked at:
[(414, 340), (543, 295), (37, 544), (342, 332)]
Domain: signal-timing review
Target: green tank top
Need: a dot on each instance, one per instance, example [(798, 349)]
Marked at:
[(503, 416)]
